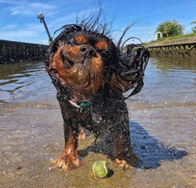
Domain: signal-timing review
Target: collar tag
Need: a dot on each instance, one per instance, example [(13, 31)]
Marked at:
[(80, 104), (83, 103)]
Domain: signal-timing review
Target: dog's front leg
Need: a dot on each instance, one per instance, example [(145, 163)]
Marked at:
[(69, 159), (122, 150)]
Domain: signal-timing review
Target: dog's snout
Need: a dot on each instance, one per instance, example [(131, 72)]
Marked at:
[(87, 51)]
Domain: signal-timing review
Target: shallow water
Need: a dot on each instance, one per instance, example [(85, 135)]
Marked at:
[(162, 124)]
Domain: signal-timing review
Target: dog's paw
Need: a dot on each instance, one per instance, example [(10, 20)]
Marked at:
[(82, 135), (131, 161), (122, 163), (67, 162)]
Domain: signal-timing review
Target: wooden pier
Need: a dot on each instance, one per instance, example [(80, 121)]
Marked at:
[(180, 47), (13, 52)]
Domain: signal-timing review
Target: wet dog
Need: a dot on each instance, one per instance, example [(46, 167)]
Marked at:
[(91, 74)]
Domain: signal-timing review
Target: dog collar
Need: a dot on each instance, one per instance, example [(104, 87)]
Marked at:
[(83, 103), (80, 104)]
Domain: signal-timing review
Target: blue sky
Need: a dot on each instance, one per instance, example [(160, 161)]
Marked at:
[(18, 18)]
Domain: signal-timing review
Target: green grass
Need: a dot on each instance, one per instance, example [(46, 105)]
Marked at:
[(172, 38)]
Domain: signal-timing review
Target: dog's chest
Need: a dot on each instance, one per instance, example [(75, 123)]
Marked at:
[(102, 114)]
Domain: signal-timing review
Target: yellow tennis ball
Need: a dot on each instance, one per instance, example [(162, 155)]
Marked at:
[(100, 168)]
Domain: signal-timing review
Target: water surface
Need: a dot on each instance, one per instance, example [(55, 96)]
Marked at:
[(162, 124)]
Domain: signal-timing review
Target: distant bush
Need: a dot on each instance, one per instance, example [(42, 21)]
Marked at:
[(170, 28)]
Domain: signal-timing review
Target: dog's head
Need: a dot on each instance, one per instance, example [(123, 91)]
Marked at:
[(83, 60)]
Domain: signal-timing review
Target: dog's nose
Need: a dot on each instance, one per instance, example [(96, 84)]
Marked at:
[(87, 51)]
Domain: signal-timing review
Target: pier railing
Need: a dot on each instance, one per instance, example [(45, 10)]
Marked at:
[(180, 47), (11, 51)]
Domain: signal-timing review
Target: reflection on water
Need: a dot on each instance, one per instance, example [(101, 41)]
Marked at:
[(22, 81), (169, 81), (174, 80)]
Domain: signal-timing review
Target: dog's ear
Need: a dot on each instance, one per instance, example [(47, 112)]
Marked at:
[(130, 69)]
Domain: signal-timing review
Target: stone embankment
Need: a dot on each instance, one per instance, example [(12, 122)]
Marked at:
[(179, 47), (12, 52)]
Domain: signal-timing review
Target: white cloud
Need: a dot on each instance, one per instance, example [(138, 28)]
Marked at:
[(30, 9), (33, 33), (41, 5), (8, 2)]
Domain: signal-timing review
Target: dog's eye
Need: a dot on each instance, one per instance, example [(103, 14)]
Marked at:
[(80, 39), (53, 70)]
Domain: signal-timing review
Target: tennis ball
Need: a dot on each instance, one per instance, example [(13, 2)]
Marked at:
[(100, 169)]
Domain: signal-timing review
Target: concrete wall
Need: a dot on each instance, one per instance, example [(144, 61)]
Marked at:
[(13, 52), (180, 47)]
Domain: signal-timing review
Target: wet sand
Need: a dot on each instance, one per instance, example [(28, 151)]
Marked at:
[(162, 124)]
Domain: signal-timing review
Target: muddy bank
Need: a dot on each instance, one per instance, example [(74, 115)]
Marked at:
[(162, 124)]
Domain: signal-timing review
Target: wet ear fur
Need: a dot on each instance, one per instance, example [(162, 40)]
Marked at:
[(130, 70)]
